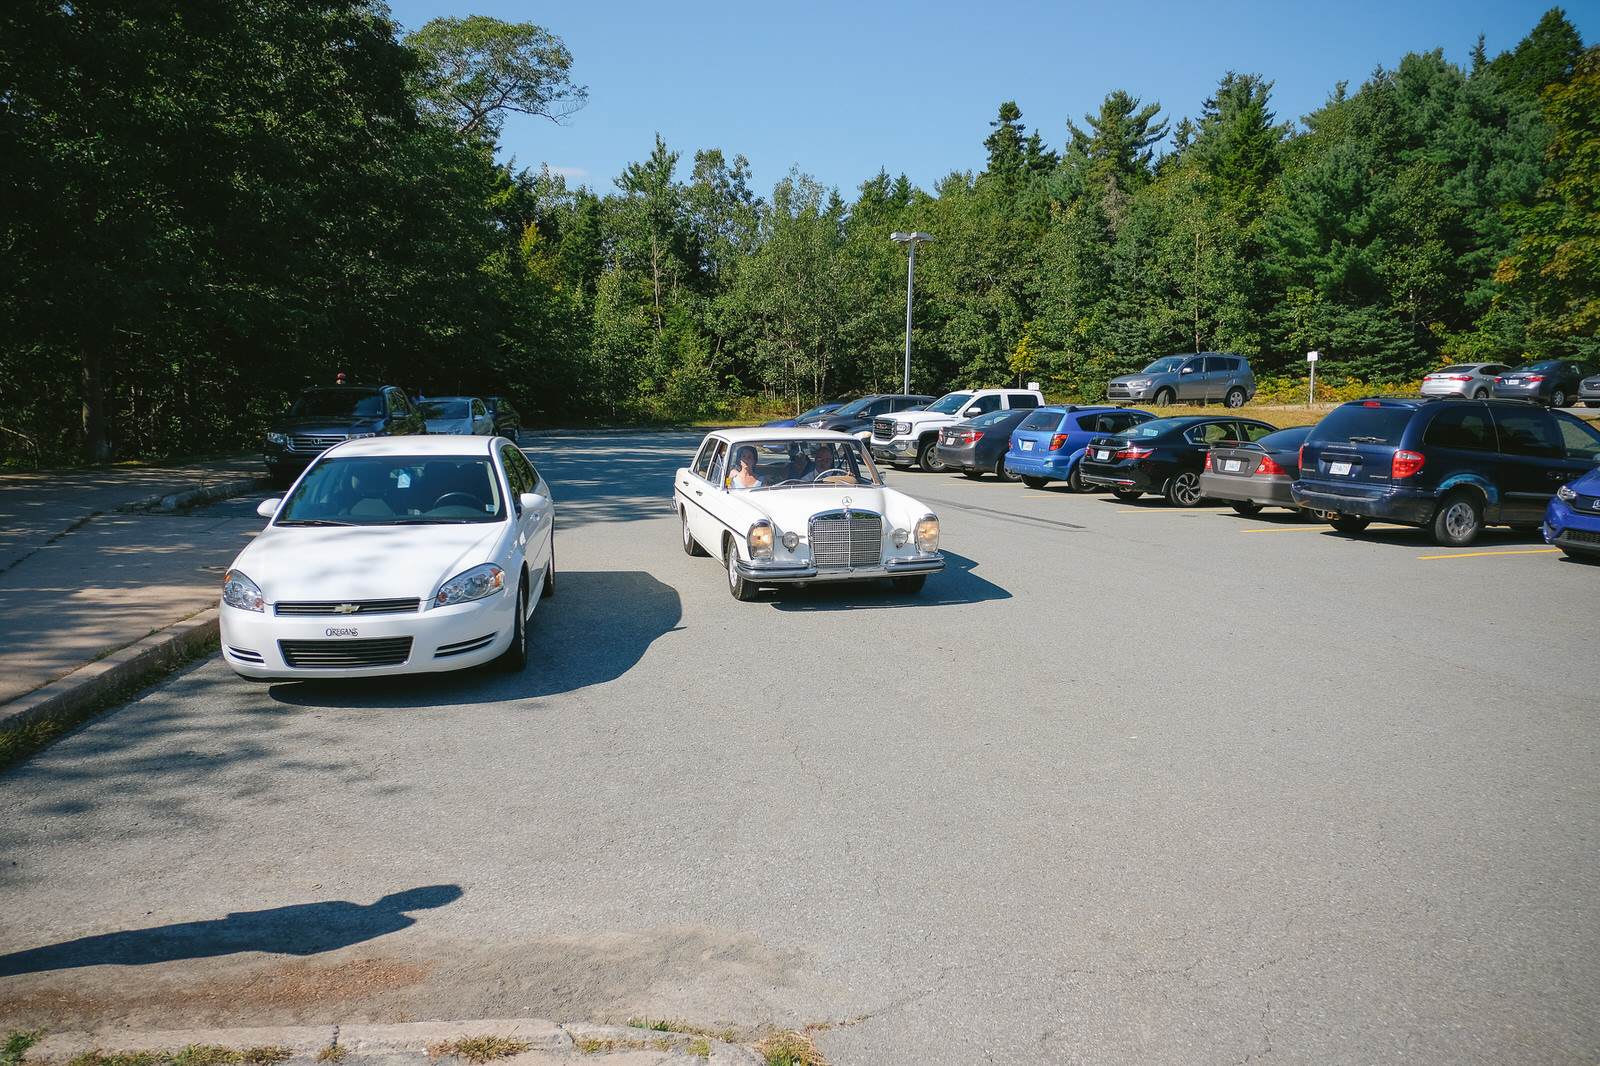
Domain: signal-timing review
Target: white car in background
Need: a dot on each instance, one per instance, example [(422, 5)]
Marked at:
[(394, 555), (817, 510), (464, 415)]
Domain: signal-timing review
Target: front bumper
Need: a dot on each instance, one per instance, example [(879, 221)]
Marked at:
[(1571, 531), (902, 451), (426, 641), (765, 573)]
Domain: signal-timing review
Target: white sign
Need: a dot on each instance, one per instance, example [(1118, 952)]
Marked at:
[(1311, 357)]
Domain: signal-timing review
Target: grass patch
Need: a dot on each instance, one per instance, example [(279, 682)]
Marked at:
[(20, 742), (664, 1025), (789, 1047), (480, 1049), (193, 1055), (18, 1041), (332, 1053)]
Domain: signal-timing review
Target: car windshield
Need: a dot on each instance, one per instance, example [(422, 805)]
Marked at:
[(1153, 428), (787, 464), (990, 418), (337, 404), (395, 490), (950, 404), (445, 409), (1165, 365), (1544, 365), (818, 412)]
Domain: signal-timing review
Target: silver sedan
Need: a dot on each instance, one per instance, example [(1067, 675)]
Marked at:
[(1472, 380)]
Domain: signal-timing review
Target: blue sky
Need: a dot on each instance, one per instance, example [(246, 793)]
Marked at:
[(840, 89)]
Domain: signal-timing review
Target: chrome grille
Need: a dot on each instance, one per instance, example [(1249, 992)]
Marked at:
[(334, 654), (344, 607), (841, 539), (309, 443), (883, 429)]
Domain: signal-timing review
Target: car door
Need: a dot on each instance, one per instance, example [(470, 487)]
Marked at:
[(1532, 463), (700, 485), (535, 526), (1191, 379)]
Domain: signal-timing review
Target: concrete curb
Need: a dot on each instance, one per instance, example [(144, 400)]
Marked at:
[(199, 495), (67, 698), (548, 1043)]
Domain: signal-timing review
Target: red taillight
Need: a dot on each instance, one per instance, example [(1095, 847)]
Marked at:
[(1302, 457), (1269, 468), (1536, 377), (1057, 441), (964, 436), (1133, 451), (1405, 464)]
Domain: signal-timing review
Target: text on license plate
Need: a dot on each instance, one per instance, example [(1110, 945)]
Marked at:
[(1340, 469), (1027, 445), (1230, 465), (1102, 453)]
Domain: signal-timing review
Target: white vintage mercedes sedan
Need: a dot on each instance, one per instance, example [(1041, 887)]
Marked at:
[(792, 506), (394, 555)]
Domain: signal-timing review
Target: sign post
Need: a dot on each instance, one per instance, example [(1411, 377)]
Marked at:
[(1311, 360)]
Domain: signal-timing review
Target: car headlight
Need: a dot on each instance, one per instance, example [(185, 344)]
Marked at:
[(760, 540), (239, 591), (359, 436), (927, 534), (791, 540), (474, 584), (277, 438), (1138, 384), (1566, 494), (902, 428)]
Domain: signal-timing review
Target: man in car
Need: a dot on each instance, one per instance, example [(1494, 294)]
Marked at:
[(822, 463)]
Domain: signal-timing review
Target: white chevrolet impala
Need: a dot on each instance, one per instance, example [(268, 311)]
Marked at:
[(394, 555), (793, 506)]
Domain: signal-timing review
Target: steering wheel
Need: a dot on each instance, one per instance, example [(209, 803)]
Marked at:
[(458, 499), (830, 472)]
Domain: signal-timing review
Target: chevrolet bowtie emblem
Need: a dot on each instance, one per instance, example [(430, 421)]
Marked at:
[(346, 608)]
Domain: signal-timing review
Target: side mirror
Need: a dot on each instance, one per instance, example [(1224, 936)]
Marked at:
[(531, 499), (1187, 370), (268, 508)]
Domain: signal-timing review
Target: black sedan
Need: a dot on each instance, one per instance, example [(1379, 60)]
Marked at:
[(1251, 475), (1163, 456), (978, 446)]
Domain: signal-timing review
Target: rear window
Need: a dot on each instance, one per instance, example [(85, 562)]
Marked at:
[(1380, 425), (1042, 419), (990, 418)]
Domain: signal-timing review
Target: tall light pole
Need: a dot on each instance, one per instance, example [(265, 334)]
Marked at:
[(911, 239)]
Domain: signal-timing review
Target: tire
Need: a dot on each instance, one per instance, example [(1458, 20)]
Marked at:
[(1246, 508), (1004, 473), (1349, 523), (1235, 398), (1075, 482), (1458, 521), (1164, 397), (1480, 394), (928, 457), (1127, 495), (909, 585), (691, 546), (1183, 489), (741, 589), (1035, 482), (515, 657), (548, 588), (1559, 398)]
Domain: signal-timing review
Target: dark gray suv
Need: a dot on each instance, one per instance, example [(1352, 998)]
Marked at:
[(1448, 465), (1209, 377), (319, 418)]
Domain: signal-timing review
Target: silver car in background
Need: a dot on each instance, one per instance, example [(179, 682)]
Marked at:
[(462, 415), (1472, 380), (1209, 377)]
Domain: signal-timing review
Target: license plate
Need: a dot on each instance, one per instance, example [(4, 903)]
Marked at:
[(1102, 454), (1339, 469), (1231, 465), (1027, 445)]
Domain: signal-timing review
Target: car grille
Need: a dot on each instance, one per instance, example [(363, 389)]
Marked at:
[(315, 443), (1580, 536), (841, 539), (348, 607), (883, 429), (462, 647), (335, 654), (1580, 502)]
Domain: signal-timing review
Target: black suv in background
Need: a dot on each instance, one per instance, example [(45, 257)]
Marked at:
[(507, 422), (319, 418), (857, 415), (1448, 465)]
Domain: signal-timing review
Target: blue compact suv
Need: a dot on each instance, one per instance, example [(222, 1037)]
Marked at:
[(1452, 466), (1048, 445), (1572, 521)]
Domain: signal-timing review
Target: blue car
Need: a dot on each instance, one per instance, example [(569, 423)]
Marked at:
[(1050, 441), (1572, 519), (818, 411)]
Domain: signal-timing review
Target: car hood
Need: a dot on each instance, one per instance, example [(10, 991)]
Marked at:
[(335, 423), (792, 508), (450, 425), (364, 562)]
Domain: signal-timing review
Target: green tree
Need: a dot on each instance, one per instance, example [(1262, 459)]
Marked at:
[(477, 68)]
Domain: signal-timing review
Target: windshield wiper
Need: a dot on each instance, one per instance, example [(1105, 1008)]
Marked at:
[(1367, 440), (312, 522)]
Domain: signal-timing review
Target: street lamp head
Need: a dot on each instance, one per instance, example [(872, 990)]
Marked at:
[(911, 238)]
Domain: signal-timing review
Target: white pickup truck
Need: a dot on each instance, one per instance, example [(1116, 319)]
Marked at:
[(913, 436)]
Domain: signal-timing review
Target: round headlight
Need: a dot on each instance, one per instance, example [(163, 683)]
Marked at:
[(791, 540)]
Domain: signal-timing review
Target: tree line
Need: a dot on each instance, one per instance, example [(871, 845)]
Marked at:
[(208, 205)]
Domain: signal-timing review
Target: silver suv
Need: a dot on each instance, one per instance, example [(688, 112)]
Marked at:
[(1210, 377)]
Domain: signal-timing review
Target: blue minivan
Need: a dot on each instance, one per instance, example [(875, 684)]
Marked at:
[(1049, 443)]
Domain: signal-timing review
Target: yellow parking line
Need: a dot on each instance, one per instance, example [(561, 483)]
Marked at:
[(1514, 551), (1287, 529)]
